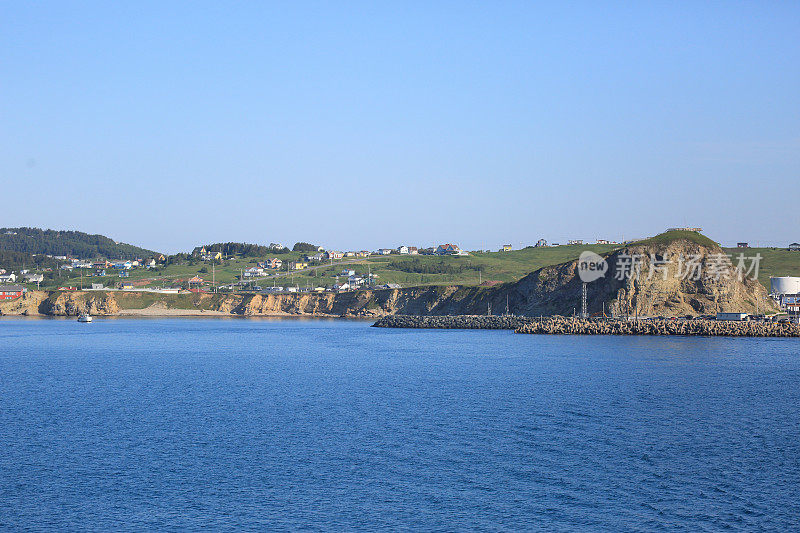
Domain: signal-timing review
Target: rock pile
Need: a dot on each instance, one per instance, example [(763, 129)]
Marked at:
[(559, 325), (452, 322), (711, 328)]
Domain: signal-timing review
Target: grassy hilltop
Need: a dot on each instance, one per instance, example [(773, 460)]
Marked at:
[(418, 270)]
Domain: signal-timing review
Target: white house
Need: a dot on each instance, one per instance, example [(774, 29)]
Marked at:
[(384, 251), (8, 278), (794, 247), (403, 250), (253, 272), (34, 278), (333, 254)]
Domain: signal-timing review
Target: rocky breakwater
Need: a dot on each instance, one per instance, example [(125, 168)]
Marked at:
[(452, 322), (710, 328)]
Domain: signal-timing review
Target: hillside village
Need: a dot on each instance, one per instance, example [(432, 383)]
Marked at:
[(98, 274), (239, 267)]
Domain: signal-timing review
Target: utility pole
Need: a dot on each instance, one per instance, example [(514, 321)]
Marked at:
[(584, 311)]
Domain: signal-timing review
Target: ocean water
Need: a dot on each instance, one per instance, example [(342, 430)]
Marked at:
[(237, 424)]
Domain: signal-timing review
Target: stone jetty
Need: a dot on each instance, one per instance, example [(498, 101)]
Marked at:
[(573, 326), (452, 322), (709, 328)]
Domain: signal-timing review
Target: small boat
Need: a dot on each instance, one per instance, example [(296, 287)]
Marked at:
[(85, 318)]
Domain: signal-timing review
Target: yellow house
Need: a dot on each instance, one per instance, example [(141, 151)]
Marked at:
[(507, 248)]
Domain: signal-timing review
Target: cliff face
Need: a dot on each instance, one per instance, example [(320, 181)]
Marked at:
[(60, 304), (675, 278), (28, 304), (659, 289), (76, 303), (369, 303)]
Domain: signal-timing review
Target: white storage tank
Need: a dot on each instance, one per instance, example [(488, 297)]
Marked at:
[(785, 285)]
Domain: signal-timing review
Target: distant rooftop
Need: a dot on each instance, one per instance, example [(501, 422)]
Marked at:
[(685, 229)]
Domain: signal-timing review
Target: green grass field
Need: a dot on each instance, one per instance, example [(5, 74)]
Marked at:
[(774, 261)]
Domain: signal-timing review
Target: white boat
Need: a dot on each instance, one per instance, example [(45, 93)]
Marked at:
[(85, 318)]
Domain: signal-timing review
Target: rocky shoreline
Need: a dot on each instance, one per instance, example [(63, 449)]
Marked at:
[(451, 322), (573, 326)]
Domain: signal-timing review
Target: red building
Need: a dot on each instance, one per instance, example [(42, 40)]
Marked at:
[(9, 292)]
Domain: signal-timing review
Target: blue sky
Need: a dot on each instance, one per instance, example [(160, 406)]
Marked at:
[(365, 125)]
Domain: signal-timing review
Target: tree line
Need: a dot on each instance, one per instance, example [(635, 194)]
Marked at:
[(37, 241)]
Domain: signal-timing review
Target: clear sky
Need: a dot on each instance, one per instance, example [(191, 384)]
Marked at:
[(365, 125)]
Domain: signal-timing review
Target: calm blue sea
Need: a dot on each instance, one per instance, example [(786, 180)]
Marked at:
[(233, 424)]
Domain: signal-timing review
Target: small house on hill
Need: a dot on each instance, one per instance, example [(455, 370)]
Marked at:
[(448, 249), (794, 247), (252, 272), (273, 263)]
